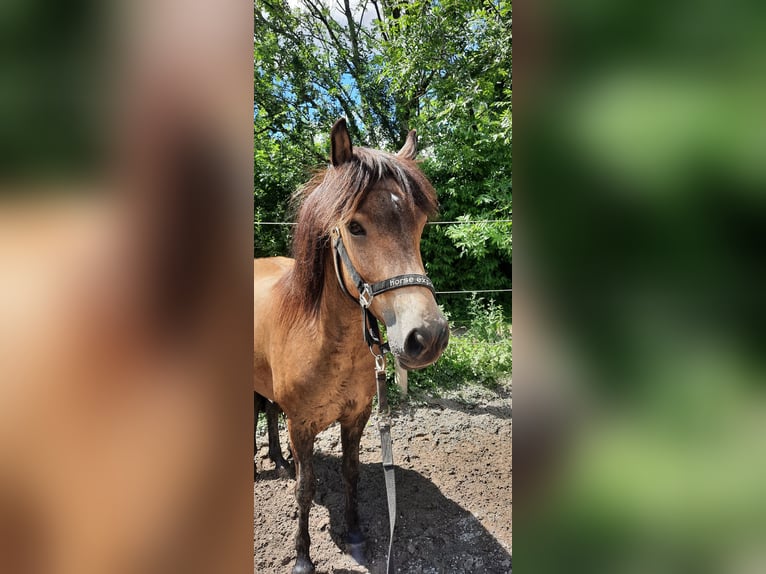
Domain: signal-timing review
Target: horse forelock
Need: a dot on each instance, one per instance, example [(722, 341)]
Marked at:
[(330, 199)]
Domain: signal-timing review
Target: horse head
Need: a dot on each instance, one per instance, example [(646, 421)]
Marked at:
[(381, 234)]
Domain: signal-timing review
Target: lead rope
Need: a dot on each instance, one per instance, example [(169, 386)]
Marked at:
[(387, 452), (373, 337)]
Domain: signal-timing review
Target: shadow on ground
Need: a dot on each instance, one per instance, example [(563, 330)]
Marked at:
[(433, 533)]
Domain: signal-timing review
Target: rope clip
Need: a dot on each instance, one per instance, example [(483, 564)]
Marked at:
[(380, 364)]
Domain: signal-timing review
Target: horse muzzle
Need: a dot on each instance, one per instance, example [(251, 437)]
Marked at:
[(423, 345)]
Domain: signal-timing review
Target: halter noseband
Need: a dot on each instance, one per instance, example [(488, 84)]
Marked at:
[(368, 291)]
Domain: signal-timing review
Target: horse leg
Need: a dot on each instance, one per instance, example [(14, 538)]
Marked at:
[(351, 434), (302, 441), (275, 450), (258, 404)]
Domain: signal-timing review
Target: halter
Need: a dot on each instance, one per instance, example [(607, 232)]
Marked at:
[(367, 291), (372, 337)]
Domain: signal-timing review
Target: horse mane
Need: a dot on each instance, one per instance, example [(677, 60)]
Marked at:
[(329, 199)]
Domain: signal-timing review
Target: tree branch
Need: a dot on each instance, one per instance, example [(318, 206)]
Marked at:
[(380, 19), (352, 35)]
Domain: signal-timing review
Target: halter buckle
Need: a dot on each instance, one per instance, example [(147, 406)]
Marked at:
[(365, 296)]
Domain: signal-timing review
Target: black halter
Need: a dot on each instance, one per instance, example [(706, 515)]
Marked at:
[(368, 291)]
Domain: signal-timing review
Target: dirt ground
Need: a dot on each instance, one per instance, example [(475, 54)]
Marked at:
[(453, 460)]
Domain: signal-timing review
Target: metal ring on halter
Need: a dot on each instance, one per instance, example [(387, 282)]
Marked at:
[(380, 362)]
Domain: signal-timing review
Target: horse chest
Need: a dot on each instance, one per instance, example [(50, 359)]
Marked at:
[(348, 381), (330, 386)]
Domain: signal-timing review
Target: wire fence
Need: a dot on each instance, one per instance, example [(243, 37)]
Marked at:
[(464, 291), (457, 222), (472, 222), (504, 342)]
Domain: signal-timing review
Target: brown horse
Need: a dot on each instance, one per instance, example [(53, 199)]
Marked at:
[(310, 356)]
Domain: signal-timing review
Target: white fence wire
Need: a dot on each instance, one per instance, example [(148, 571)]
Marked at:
[(288, 223), (458, 292)]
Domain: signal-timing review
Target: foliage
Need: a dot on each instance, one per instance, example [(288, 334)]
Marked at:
[(443, 68), (464, 118), (280, 168)]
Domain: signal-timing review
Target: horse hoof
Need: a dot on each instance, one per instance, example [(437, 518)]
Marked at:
[(356, 546), (357, 553), (355, 537), (303, 566)]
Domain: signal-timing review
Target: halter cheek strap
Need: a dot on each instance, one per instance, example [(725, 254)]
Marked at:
[(366, 290)]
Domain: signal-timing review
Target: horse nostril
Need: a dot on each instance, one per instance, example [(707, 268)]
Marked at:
[(415, 343)]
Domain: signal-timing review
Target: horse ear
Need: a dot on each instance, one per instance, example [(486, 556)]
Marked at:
[(341, 150), (410, 148)]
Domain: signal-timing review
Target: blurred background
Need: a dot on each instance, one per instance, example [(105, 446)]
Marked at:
[(54, 61), (639, 356), (125, 286)]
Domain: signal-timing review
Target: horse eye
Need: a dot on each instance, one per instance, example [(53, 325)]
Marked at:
[(356, 229)]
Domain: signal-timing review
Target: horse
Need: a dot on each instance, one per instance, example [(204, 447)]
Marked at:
[(363, 217)]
